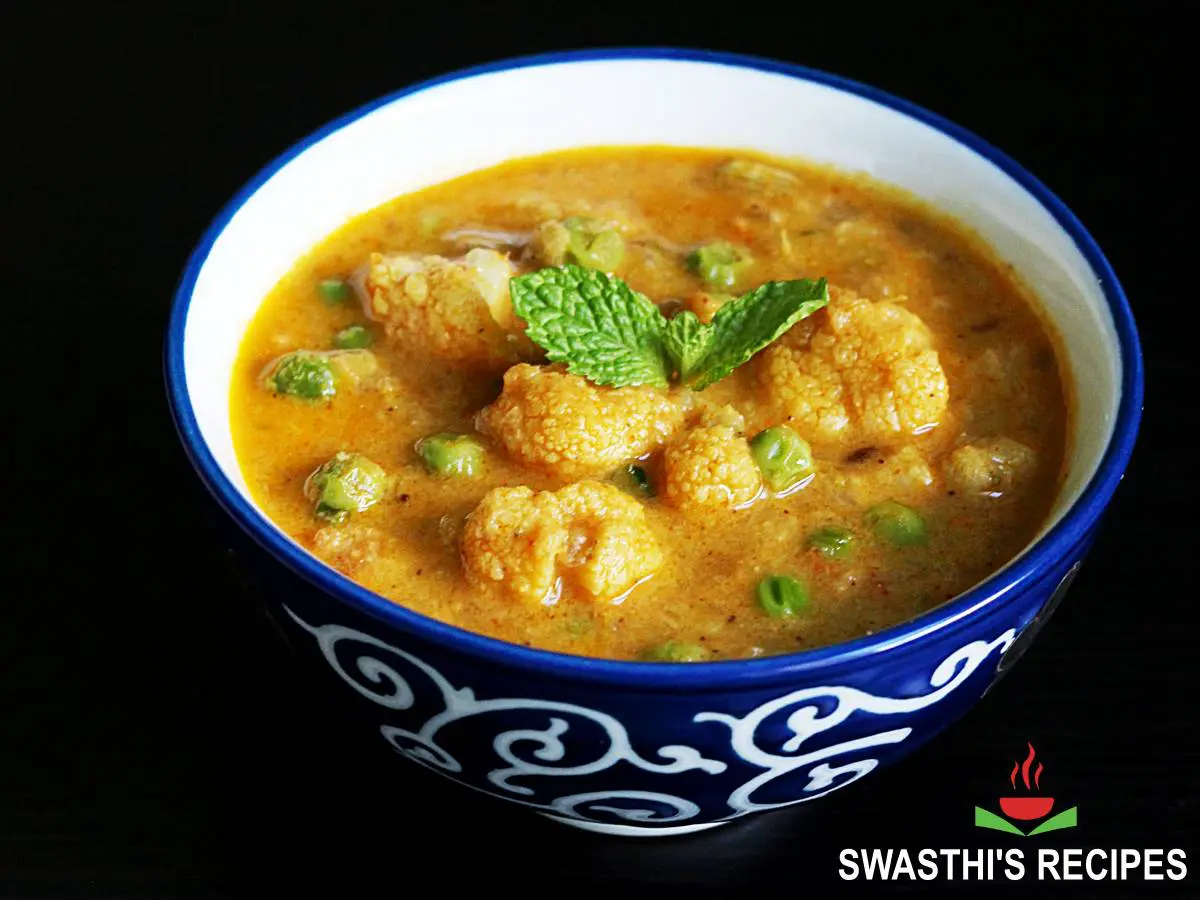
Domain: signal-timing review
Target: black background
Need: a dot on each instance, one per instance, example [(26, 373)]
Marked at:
[(155, 737)]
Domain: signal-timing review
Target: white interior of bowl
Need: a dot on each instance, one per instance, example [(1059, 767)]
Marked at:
[(457, 127)]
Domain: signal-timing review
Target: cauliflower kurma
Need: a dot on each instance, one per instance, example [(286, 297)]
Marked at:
[(885, 453)]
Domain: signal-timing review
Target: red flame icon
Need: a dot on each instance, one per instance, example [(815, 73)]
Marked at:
[(1026, 808), (1024, 767)]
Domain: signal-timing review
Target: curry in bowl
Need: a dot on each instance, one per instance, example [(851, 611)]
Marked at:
[(654, 403)]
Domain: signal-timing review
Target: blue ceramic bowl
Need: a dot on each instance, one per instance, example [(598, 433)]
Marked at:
[(653, 748)]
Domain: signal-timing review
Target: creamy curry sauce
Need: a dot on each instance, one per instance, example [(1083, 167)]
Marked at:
[(981, 467)]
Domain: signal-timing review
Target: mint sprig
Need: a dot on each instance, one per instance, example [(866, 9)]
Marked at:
[(599, 326), (742, 327), (687, 342), (605, 331)]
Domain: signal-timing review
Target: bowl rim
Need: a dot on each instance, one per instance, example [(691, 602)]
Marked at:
[(985, 596)]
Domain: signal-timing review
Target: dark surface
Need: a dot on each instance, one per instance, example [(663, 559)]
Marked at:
[(156, 739)]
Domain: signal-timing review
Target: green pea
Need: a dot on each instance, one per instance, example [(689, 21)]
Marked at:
[(429, 221), (783, 457), (719, 264), (675, 651), (898, 524), (591, 245), (355, 337), (448, 453), (782, 595), (334, 291), (634, 480), (550, 243), (347, 483), (834, 542), (302, 374)]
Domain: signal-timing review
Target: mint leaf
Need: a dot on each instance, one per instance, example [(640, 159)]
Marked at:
[(687, 341), (600, 327), (608, 333), (744, 326)]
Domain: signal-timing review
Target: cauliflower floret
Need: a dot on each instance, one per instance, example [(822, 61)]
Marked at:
[(711, 467), (347, 547), (569, 427), (858, 371), (989, 468), (903, 475), (459, 308), (515, 537), (590, 535), (610, 547), (707, 414)]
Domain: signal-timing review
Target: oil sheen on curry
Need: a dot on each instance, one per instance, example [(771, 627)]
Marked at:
[(654, 403)]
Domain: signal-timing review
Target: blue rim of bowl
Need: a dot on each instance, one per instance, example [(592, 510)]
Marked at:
[(1052, 547)]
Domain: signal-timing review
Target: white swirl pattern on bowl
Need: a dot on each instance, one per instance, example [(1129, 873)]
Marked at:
[(382, 684)]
